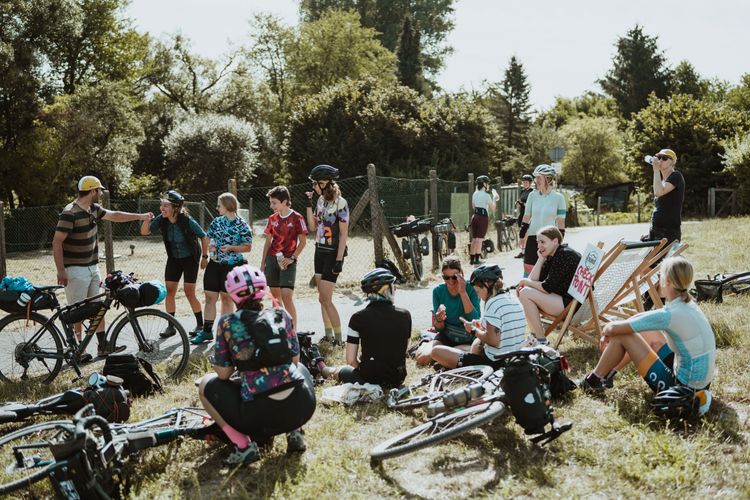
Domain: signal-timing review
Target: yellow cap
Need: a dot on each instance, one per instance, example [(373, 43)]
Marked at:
[(89, 182), (668, 152)]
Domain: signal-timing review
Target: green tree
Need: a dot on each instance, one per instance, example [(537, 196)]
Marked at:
[(686, 80), (510, 103), (207, 149), (594, 151), (738, 97), (387, 16), (409, 54), (590, 104), (736, 159), (696, 131), (639, 69)]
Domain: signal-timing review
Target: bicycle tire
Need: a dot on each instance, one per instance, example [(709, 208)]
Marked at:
[(436, 385), (14, 325), (513, 239), (151, 323), (416, 257), (8, 461), (437, 430)]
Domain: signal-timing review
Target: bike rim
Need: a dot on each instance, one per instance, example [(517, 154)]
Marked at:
[(21, 361)]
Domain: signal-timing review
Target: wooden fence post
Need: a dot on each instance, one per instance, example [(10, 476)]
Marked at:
[(250, 211), (202, 215), (638, 204), (499, 212), (471, 208), (3, 256), (598, 208), (232, 186), (426, 202), (109, 248), (377, 229), (436, 216)]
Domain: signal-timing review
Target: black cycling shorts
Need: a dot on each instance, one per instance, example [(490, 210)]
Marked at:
[(324, 262), (215, 276), (262, 416), (177, 266), (529, 252), (351, 375), (471, 359)]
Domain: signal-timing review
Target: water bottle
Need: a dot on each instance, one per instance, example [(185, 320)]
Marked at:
[(212, 249), (23, 299), (280, 259), (649, 159)]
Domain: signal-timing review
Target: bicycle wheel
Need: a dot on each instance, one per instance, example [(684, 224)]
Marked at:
[(24, 345), (25, 455), (416, 257), (433, 386), (513, 237), (438, 430), (141, 337)]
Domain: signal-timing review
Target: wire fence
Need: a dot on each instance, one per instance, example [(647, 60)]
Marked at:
[(29, 231)]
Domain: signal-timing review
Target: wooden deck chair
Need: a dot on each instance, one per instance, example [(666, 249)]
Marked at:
[(629, 302), (616, 272)]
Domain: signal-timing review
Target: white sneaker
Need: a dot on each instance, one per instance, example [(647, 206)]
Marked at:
[(535, 342)]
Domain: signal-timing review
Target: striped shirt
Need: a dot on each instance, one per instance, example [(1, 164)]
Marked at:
[(80, 247), (505, 313)]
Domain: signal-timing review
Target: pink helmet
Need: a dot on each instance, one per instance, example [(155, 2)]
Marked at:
[(245, 282)]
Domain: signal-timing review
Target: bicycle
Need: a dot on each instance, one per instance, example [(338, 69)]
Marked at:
[(84, 458), (32, 347), (464, 409), (310, 357), (445, 232), (434, 386), (507, 233), (413, 249)]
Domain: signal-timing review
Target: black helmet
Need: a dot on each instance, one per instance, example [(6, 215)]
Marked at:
[(483, 179), (324, 173), (173, 196), (129, 295), (677, 402), (373, 281), (491, 272), (527, 177)]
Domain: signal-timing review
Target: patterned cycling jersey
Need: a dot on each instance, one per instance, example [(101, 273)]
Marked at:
[(689, 335), (328, 215), (231, 232)]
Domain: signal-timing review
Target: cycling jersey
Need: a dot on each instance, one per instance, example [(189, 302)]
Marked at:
[(505, 313), (481, 199), (233, 232), (328, 215), (544, 209)]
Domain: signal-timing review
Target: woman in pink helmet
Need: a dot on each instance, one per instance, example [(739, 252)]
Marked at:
[(272, 393)]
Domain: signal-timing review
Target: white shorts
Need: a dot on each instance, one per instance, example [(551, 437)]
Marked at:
[(83, 282)]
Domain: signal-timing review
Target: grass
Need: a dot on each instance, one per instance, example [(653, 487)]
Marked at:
[(615, 449)]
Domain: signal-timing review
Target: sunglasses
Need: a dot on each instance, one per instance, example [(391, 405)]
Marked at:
[(663, 157), (449, 278)]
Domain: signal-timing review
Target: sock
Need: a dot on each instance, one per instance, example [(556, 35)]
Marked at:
[(172, 314), (208, 325), (101, 339), (198, 319), (337, 333), (241, 440), (593, 379), (611, 374), (328, 329)]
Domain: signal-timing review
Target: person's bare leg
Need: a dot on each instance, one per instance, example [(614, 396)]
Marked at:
[(655, 340), (210, 308), (634, 345), (276, 292), (423, 356), (533, 302), (287, 295), (446, 356), (325, 296), (195, 304), (227, 304), (170, 303), (323, 313)]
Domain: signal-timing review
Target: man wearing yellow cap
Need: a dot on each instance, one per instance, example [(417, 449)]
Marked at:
[(76, 250), (669, 193)]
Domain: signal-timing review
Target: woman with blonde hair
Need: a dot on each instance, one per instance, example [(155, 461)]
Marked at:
[(681, 370), (230, 236)]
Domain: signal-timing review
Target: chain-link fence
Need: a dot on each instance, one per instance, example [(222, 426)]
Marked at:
[(29, 231)]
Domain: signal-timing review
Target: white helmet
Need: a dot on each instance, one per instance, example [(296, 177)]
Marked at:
[(544, 169)]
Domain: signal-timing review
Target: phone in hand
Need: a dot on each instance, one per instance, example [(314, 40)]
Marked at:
[(464, 321)]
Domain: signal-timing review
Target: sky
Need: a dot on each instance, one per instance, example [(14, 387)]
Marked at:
[(564, 45)]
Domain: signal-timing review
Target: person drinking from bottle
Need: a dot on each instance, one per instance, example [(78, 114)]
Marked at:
[(285, 239), (186, 245), (272, 394), (329, 217), (502, 328), (382, 331)]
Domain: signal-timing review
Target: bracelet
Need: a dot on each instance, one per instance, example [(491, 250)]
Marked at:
[(204, 256)]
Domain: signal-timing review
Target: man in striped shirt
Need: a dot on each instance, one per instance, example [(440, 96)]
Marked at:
[(76, 250)]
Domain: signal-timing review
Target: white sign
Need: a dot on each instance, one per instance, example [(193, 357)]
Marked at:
[(584, 276), (557, 167)]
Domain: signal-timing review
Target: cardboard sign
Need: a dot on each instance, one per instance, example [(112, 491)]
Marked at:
[(584, 276)]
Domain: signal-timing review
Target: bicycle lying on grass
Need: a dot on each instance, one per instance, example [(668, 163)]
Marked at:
[(310, 356), (84, 458), (521, 385), (32, 347)]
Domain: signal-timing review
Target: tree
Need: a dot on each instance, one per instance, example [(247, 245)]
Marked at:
[(736, 159), (594, 151), (337, 47), (510, 103), (739, 97), (696, 131), (387, 16), (409, 54), (209, 148), (686, 80), (638, 70), (589, 104)]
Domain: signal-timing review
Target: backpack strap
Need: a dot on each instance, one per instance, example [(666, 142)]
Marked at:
[(149, 369)]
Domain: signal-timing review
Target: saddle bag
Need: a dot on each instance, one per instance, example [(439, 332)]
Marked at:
[(138, 375)]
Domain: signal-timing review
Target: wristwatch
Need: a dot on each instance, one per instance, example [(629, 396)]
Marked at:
[(293, 257)]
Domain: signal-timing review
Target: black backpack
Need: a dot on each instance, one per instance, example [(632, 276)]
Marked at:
[(557, 368), (110, 401), (131, 370), (270, 338), (527, 393)]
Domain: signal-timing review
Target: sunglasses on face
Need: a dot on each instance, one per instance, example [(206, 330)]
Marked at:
[(663, 157), (449, 278)]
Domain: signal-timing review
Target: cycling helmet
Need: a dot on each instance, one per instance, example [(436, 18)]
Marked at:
[(482, 179), (491, 272), (527, 177), (324, 173), (245, 283), (173, 196), (129, 295), (373, 281), (677, 402), (545, 170)]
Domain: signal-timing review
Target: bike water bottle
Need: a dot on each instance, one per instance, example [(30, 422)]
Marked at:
[(280, 259), (212, 249), (23, 299)]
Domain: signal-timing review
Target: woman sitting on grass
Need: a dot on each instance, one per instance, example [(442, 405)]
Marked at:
[(501, 329), (546, 288), (687, 357), (272, 394), (452, 300)]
